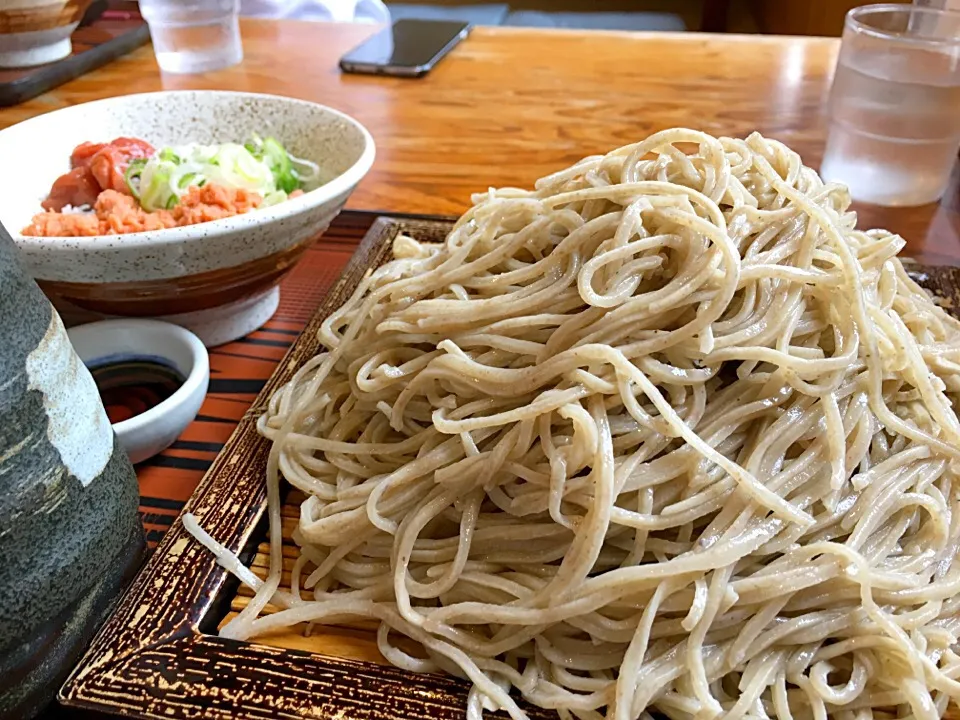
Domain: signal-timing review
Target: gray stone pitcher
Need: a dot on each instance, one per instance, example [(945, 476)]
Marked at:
[(70, 535)]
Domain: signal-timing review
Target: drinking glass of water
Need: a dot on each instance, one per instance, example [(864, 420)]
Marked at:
[(194, 36), (895, 104)]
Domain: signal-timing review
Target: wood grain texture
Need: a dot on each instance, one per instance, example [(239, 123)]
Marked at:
[(473, 122)]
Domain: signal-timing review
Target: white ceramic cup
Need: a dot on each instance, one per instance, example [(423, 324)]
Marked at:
[(108, 341)]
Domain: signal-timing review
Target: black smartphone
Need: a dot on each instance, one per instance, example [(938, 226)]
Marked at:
[(409, 48)]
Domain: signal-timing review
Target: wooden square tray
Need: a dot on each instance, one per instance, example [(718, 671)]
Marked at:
[(159, 654)]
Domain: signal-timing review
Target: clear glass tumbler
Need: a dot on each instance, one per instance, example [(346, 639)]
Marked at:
[(194, 36), (895, 104)]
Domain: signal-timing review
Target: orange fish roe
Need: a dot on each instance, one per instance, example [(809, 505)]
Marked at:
[(117, 214)]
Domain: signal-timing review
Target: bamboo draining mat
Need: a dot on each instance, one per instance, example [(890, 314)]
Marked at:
[(355, 642), (351, 643)]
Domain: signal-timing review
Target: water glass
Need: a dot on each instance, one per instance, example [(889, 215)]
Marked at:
[(894, 129), (194, 36)]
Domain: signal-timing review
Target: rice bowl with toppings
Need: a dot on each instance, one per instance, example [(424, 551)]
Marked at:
[(127, 186), (212, 260)]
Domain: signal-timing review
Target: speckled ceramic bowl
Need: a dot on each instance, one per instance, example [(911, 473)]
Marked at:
[(34, 32), (219, 279)]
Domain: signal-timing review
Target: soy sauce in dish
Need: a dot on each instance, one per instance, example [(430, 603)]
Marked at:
[(131, 386)]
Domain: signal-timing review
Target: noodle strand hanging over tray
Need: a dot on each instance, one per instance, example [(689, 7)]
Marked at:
[(665, 435)]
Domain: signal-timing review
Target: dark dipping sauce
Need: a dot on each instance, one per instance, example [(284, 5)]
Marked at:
[(130, 387)]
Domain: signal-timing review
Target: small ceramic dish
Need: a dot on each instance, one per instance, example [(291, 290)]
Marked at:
[(152, 377), (220, 278), (35, 33)]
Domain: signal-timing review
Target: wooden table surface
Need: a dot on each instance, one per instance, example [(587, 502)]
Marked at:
[(511, 105)]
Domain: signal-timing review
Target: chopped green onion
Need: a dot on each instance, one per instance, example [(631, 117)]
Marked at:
[(279, 162), (273, 198), (133, 172), (260, 165), (155, 189)]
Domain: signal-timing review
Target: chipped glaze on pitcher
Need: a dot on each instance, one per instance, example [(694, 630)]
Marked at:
[(69, 531)]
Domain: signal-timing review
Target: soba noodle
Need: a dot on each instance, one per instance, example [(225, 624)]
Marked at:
[(666, 434)]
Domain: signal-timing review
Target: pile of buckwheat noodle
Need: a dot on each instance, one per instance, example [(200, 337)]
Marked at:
[(666, 435)]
